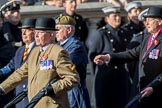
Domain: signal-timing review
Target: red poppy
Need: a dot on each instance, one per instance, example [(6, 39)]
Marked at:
[(156, 42), (44, 57)]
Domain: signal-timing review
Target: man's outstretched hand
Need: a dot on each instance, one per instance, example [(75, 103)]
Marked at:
[(102, 59)]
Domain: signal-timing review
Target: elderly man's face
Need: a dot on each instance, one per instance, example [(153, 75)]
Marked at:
[(153, 24), (43, 37), (62, 32), (114, 19), (27, 35)]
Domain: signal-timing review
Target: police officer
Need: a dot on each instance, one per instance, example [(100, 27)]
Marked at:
[(10, 33), (21, 56), (81, 28), (110, 82), (133, 25)]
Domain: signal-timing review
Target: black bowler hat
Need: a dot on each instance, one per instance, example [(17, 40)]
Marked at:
[(28, 23), (10, 5), (155, 12), (45, 23)]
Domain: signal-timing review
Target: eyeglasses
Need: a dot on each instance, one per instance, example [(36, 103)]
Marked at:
[(151, 19), (41, 32)]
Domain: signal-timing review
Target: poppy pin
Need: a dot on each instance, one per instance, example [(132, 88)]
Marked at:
[(156, 42), (44, 57)]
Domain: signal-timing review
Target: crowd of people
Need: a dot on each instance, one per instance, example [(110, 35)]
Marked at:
[(59, 3), (123, 56)]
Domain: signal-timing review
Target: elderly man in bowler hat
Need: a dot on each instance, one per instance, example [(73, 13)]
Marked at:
[(21, 56), (149, 54), (45, 62), (78, 96)]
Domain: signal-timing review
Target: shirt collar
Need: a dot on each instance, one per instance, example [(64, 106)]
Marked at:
[(42, 49), (64, 41)]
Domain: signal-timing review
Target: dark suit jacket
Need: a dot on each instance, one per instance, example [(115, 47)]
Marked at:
[(149, 68)]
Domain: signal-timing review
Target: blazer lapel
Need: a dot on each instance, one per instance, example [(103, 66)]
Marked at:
[(20, 61), (35, 61)]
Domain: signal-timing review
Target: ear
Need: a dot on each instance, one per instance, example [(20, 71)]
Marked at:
[(69, 29), (106, 18), (160, 22)]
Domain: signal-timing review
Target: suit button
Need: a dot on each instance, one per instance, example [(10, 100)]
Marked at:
[(111, 40), (113, 49), (24, 86), (116, 67), (131, 28)]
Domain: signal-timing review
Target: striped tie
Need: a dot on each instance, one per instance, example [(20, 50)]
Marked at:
[(25, 53)]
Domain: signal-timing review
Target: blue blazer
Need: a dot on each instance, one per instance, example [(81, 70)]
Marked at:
[(14, 64), (78, 96), (77, 54)]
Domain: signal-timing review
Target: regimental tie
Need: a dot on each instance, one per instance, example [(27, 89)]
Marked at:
[(25, 53)]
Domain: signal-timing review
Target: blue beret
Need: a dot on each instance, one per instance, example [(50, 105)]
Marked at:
[(111, 9), (132, 5)]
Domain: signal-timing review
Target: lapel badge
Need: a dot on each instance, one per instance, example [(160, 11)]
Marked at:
[(154, 54), (73, 67)]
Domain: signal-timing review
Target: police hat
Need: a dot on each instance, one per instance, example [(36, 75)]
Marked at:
[(155, 12), (28, 23), (65, 20), (10, 5), (132, 5), (141, 15), (111, 9), (45, 23)]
